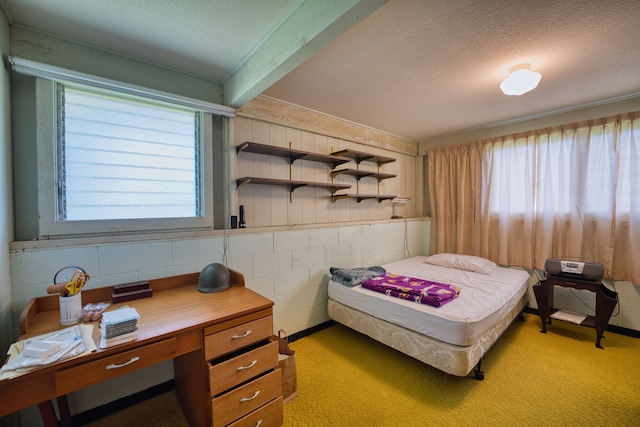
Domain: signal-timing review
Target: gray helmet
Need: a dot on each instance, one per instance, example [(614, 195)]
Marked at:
[(214, 278)]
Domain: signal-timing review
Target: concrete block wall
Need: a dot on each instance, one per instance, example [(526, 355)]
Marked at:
[(291, 267)]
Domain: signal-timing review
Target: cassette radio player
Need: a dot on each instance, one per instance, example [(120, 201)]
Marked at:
[(579, 270)]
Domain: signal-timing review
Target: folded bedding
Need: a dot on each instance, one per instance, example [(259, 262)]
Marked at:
[(413, 289), (354, 276)]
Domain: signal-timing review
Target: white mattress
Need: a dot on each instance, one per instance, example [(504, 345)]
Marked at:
[(484, 300)]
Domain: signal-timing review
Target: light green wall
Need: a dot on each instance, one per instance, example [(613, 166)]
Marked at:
[(25, 163), (6, 203)]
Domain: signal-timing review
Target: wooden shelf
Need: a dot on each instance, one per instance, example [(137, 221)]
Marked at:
[(362, 174), (291, 154), (291, 184), (361, 197), (359, 156), (334, 159)]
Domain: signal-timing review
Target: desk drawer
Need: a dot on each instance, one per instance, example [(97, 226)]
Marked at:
[(270, 414), (227, 374), (235, 338), (245, 399), (113, 366)]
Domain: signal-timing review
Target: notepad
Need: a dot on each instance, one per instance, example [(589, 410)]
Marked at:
[(569, 316)]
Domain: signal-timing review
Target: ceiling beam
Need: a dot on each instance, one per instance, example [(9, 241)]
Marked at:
[(310, 27)]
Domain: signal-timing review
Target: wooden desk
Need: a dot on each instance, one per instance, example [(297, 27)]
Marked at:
[(175, 323), (606, 301)]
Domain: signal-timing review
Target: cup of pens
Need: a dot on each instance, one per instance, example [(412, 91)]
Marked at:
[(70, 309), (68, 283)]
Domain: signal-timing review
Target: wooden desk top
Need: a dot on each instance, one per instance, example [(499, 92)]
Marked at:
[(176, 310)]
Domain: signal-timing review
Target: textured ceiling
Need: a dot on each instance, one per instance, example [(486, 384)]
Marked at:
[(425, 68), (208, 38), (414, 68)]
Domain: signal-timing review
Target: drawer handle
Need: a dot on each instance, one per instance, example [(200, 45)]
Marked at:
[(246, 399), (243, 335), (259, 423), (242, 368), (114, 366)]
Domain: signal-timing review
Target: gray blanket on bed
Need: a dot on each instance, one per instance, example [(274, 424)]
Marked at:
[(354, 276)]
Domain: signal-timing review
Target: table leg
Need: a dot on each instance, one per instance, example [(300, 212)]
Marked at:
[(606, 301), (544, 298)]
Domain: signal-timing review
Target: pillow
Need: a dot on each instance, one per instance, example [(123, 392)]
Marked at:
[(463, 262)]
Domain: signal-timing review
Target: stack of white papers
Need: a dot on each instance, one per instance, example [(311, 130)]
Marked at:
[(46, 349), (569, 316)]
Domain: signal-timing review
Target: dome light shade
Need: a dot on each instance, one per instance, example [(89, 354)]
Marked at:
[(521, 80)]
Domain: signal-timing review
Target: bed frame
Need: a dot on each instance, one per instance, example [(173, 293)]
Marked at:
[(452, 359)]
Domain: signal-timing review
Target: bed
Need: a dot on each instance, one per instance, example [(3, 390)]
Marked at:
[(453, 337)]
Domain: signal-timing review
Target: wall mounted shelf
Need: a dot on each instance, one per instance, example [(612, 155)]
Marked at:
[(334, 159), (361, 197), (291, 154), (292, 184), (359, 156), (362, 174)]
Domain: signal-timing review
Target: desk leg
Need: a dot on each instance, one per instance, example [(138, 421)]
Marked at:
[(48, 414), (63, 408), (544, 298)]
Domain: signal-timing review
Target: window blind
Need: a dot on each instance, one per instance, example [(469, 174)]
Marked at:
[(123, 159)]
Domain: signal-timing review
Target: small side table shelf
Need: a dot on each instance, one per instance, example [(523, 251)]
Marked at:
[(606, 301)]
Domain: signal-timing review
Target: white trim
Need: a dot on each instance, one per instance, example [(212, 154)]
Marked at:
[(38, 69)]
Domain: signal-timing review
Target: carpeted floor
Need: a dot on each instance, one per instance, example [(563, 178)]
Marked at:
[(531, 379)]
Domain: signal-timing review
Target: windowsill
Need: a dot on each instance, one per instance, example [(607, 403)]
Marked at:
[(183, 235)]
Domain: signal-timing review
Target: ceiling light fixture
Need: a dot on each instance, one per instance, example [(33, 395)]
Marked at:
[(521, 80)]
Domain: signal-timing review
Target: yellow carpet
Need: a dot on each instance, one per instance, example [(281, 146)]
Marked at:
[(531, 379), (160, 411)]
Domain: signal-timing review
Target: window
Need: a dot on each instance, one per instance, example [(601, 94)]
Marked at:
[(122, 158), (116, 163), (587, 166)]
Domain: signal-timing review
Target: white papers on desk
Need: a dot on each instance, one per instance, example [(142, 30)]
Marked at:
[(73, 341), (569, 316)]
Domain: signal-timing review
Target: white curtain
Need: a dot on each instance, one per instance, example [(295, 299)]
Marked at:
[(568, 192)]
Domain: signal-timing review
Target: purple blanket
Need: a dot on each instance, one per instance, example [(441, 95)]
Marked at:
[(417, 290)]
